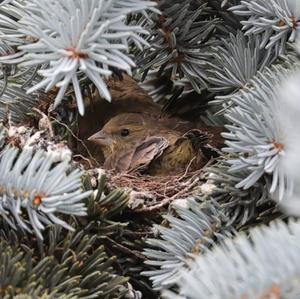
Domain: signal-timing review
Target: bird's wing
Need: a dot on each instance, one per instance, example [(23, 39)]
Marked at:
[(149, 149), (120, 162), (139, 157)]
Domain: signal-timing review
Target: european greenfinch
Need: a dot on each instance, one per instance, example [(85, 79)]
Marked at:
[(140, 142)]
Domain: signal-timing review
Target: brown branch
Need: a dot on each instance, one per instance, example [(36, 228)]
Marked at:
[(125, 249)]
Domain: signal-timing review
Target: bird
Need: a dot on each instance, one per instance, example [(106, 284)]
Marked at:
[(130, 97), (156, 146), (127, 97)]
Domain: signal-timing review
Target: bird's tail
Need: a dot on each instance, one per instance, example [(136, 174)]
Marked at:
[(201, 140)]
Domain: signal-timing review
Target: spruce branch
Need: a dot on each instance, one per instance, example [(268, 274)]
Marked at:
[(254, 133), (104, 206), (298, 41), (236, 61), (74, 39), (72, 266), (241, 207), (15, 102), (11, 12), (266, 265), (34, 188), (135, 6), (179, 39), (286, 114), (110, 218), (190, 232), (275, 20)]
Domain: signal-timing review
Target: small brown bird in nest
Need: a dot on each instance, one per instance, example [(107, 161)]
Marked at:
[(139, 142)]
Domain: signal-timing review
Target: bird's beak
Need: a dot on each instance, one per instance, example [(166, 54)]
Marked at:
[(101, 138)]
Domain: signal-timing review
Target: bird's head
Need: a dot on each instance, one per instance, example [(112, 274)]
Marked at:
[(121, 132)]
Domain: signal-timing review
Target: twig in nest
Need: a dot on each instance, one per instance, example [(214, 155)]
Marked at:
[(78, 139), (44, 121), (187, 169), (7, 117), (167, 200), (84, 158)]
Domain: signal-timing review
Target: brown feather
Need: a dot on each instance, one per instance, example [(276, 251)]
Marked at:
[(147, 151), (129, 98), (151, 145)]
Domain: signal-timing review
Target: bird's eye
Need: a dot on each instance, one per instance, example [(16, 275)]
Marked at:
[(124, 132)]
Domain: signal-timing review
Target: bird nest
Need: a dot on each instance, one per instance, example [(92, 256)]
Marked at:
[(147, 193), (150, 193)]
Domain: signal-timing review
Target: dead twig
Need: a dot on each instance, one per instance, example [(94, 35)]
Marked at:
[(77, 138), (84, 158), (45, 121), (167, 201), (187, 169), (125, 249)]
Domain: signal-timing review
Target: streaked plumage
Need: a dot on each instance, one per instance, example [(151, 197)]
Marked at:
[(140, 142)]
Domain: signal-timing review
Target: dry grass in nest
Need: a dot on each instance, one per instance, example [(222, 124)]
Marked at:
[(150, 193)]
